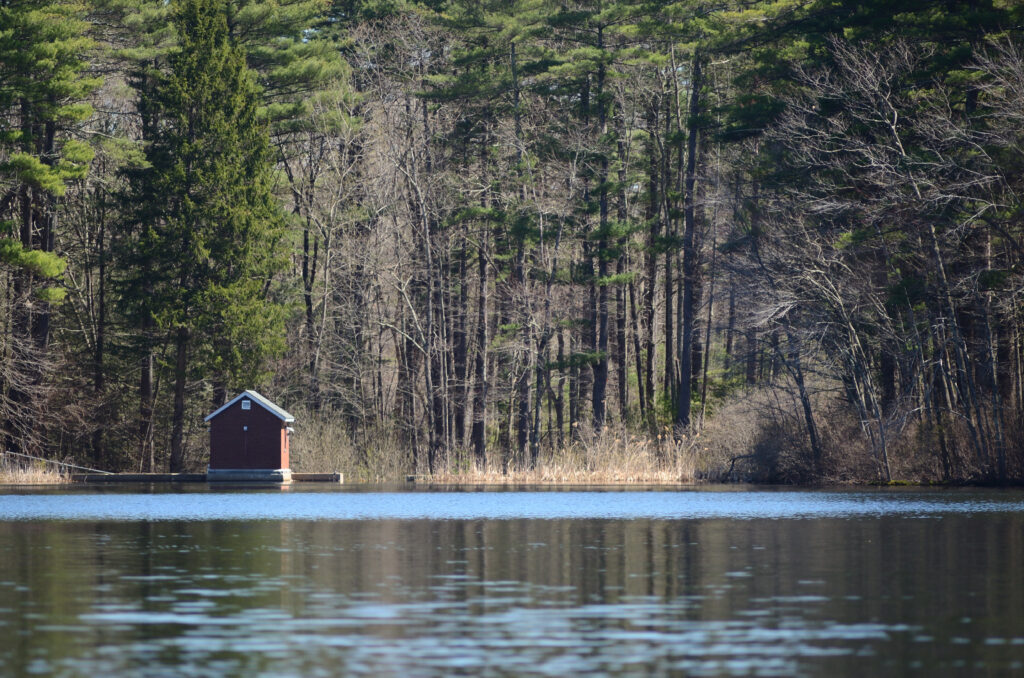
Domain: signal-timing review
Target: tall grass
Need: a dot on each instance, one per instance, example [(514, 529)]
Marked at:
[(613, 458), (322, 443), (757, 434), (16, 473)]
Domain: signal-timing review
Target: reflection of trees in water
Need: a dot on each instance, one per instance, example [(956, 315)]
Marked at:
[(273, 595)]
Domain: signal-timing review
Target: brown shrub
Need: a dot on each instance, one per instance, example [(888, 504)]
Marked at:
[(322, 443)]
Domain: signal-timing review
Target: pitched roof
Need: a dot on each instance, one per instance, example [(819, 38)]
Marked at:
[(257, 398)]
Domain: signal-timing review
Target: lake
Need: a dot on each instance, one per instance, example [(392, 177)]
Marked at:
[(320, 580)]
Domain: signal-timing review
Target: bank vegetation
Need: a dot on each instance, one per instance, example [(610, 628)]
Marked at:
[(536, 240)]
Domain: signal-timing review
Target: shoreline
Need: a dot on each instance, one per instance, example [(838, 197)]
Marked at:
[(452, 481)]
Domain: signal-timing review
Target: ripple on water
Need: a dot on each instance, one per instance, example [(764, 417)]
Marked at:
[(516, 641), (667, 505), (364, 596)]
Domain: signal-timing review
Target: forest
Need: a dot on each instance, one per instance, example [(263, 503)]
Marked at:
[(772, 240)]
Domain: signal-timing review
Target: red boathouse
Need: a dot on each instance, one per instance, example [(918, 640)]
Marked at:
[(249, 440)]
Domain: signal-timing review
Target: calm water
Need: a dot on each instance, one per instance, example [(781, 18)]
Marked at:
[(328, 581)]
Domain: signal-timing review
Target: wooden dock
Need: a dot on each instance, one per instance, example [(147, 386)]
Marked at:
[(189, 478)]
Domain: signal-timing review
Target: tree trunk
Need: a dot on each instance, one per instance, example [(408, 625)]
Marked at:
[(637, 351), (575, 390), (669, 384), (796, 370), (523, 378), (671, 229), (177, 461), (887, 377), (750, 337), (689, 252), (587, 370), (523, 413), (20, 416), (98, 382), (560, 397), (478, 434), (730, 327), (408, 369), (45, 206), (310, 256), (707, 328), (146, 432), (459, 350), (601, 362), (653, 243), (620, 269)]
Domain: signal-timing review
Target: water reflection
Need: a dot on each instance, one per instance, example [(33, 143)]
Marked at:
[(852, 596)]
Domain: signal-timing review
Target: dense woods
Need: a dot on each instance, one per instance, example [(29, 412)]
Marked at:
[(780, 237)]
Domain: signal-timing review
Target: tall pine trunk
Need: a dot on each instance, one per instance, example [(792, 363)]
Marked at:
[(601, 360), (653, 216), (177, 460), (478, 436), (689, 252), (459, 350)]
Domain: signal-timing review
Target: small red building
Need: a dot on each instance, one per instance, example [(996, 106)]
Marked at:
[(249, 440)]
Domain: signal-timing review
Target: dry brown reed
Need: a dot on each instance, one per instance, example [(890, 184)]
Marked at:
[(16, 474), (613, 458), (757, 435), (322, 444)]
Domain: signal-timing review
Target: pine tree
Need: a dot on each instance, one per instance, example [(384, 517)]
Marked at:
[(294, 65), (42, 87), (210, 226)]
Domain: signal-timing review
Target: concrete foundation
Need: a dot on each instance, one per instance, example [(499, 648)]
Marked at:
[(248, 475), (275, 477), (138, 478)]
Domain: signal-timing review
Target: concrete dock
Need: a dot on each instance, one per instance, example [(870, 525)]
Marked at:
[(189, 477)]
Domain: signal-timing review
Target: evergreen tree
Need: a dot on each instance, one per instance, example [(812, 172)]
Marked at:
[(294, 65), (42, 87), (210, 226)]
